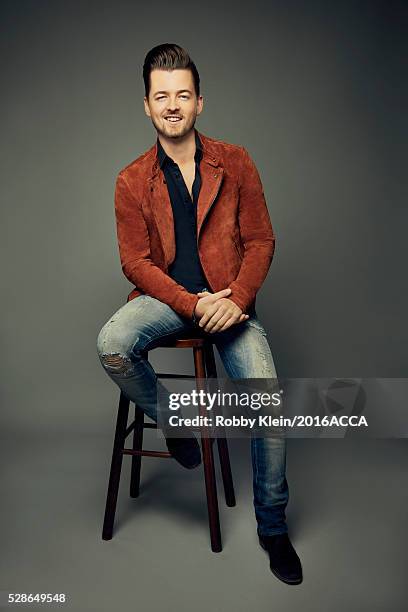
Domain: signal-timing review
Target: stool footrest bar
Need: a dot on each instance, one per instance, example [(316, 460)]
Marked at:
[(146, 453)]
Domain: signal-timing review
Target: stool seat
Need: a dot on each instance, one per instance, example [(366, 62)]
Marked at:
[(187, 339), (185, 343)]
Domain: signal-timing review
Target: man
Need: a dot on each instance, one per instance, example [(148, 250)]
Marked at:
[(195, 239)]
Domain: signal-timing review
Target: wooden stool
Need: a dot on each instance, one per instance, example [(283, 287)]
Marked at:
[(204, 366)]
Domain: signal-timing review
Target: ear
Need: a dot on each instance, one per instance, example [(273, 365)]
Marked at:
[(200, 104), (146, 106)]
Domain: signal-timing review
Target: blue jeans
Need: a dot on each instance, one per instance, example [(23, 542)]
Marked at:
[(244, 350)]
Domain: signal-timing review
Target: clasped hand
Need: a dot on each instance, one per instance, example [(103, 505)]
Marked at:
[(216, 312)]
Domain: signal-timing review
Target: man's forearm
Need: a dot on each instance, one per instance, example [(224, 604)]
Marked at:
[(253, 271), (257, 236)]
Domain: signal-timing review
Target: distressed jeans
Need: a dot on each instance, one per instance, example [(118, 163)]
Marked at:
[(141, 324)]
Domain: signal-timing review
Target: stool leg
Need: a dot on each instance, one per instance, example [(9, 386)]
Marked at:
[(226, 472), (116, 466), (137, 445), (208, 461), (136, 459), (221, 442)]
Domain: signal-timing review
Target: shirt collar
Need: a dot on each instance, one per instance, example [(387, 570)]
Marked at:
[(162, 155)]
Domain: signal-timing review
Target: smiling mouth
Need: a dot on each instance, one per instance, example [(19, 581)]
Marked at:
[(173, 119)]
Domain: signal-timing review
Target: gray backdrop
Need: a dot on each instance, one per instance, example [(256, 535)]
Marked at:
[(316, 92)]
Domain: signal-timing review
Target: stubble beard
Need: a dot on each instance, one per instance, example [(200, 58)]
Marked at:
[(171, 133)]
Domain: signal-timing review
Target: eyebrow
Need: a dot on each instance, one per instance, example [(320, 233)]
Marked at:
[(179, 91)]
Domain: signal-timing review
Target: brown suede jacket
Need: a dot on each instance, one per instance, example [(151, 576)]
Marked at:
[(235, 238)]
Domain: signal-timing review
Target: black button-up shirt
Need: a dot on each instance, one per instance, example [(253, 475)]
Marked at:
[(186, 268)]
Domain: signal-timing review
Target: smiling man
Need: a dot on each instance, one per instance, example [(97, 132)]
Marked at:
[(196, 241)]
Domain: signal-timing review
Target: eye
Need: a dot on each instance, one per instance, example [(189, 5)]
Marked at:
[(184, 96)]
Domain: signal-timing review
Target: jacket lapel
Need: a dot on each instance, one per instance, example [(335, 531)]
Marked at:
[(163, 214), (211, 179)]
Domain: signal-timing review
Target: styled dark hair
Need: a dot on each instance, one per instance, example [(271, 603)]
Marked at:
[(168, 56)]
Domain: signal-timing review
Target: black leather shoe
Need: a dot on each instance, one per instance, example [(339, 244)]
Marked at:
[(185, 450), (284, 561)]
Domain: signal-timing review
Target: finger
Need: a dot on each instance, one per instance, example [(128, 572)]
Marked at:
[(213, 321), (222, 293), (203, 293), (234, 320), (220, 323), (226, 325), (218, 313), (207, 315)]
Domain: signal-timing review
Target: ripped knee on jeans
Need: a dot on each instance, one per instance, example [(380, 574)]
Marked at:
[(117, 363)]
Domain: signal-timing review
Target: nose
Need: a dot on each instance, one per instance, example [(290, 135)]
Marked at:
[(173, 104)]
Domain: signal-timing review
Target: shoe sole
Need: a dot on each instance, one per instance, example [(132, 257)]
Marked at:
[(275, 573)]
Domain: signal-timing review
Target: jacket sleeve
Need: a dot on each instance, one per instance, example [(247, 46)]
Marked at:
[(135, 256), (257, 236)]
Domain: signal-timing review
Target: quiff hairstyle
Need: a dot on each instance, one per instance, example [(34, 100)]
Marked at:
[(169, 56)]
